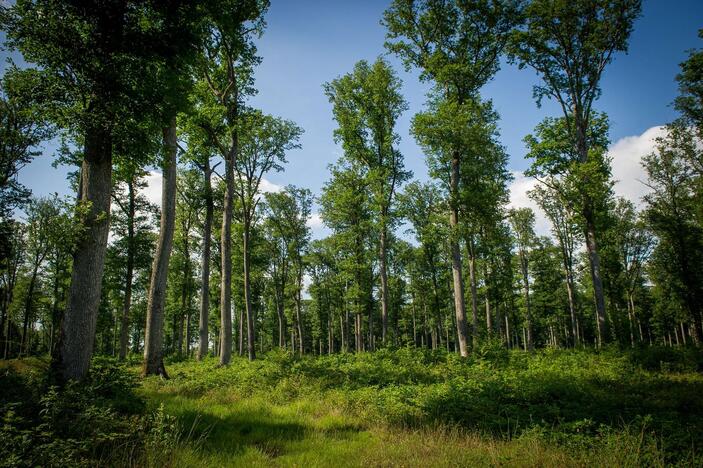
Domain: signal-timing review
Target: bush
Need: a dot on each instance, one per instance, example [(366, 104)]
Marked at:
[(100, 420)]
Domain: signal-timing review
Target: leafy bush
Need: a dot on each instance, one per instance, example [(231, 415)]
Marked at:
[(100, 420)]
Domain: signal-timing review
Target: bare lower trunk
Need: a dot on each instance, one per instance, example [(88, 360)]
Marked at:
[(459, 305), (153, 340), (226, 249), (529, 343), (594, 260), (205, 265), (129, 276), (78, 328), (298, 310), (384, 285), (247, 294), (24, 345), (474, 293)]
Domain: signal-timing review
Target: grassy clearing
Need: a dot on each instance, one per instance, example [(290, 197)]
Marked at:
[(413, 408)]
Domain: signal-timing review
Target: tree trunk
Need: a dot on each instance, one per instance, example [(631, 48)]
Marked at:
[(124, 322), (474, 293), (205, 265), (28, 309), (459, 305), (384, 284), (298, 309), (78, 328), (153, 339), (529, 343), (247, 293), (226, 249), (594, 260)]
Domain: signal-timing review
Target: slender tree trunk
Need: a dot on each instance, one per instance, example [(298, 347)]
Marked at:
[(247, 292), (474, 293), (153, 340), (205, 265), (594, 260), (226, 249), (298, 308), (281, 320), (459, 305), (24, 345), (77, 336), (529, 343), (384, 283), (487, 300), (124, 322)]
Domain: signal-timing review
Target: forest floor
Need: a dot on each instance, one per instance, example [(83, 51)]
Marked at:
[(414, 408), (641, 407)]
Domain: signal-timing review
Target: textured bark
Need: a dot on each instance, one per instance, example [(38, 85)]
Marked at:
[(384, 284), (153, 339), (226, 250), (251, 349), (129, 275), (594, 261), (77, 336), (459, 305), (24, 345), (474, 292), (527, 335), (298, 308), (205, 265)]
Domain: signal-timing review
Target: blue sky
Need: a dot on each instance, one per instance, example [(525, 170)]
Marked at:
[(310, 42)]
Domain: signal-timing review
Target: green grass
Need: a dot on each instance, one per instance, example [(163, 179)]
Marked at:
[(415, 408)]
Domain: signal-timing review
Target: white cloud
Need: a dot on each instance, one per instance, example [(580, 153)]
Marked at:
[(626, 156), (153, 188), (519, 199), (626, 153), (152, 191), (267, 186)]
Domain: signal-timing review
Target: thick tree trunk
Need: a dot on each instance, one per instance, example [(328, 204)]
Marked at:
[(124, 322), (153, 339), (205, 265), (247, 294), (78, 328), (226, 249), (384, 284)]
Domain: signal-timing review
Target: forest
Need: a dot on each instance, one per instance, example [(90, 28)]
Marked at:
[(433, 324)]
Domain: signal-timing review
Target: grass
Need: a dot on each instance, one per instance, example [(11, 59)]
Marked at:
[(418, 408)]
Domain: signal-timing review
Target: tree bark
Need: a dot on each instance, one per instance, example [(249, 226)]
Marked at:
[(529, 343), (129, 275), (77, 336), (459, 305), (474, 293), (298, 308), (384, 283), (153, 339), (594, 260), (205, 265), (226, 249), (247, 293)]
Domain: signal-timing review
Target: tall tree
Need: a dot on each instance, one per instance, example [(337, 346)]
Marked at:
[(86, 50), (226, 79), (569, 44), (671, 209), (522, 220), (457, 45), (366, 105), (549, 197), (263, 143)]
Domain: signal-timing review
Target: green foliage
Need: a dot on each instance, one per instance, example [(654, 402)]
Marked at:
[(99, 421), (583, 401)]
